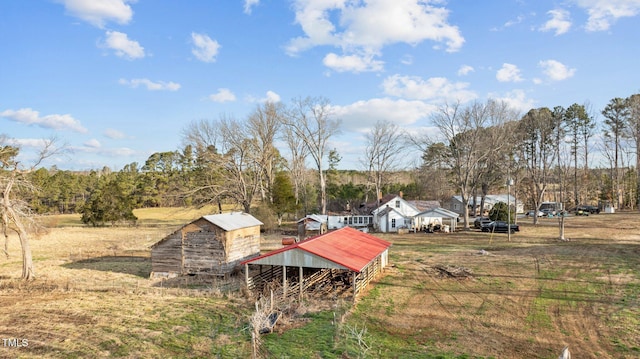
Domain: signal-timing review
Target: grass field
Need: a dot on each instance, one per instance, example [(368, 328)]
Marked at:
[(527, 298)]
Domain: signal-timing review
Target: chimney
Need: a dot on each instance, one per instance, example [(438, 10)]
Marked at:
[(400, 194)]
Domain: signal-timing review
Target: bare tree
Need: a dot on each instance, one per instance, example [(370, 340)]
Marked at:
[(263, 126), (470, 145), (297, 156), (616, 115), (311, 120), (230, 159), (14, 212), (634, 133), (538, 150), (384, 146), (204, 137)]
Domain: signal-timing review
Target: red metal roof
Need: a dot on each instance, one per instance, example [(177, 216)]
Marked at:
[(347, 247)]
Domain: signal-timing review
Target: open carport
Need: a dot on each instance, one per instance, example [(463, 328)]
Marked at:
[(348, 255)]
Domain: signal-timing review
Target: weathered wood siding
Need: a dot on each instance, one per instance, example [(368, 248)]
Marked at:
[(203, 248), (242, 243), (202, 252), (166, 257)]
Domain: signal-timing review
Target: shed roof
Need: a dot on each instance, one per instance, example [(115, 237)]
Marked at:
[(233, 220), (438, 212), (346, 247)]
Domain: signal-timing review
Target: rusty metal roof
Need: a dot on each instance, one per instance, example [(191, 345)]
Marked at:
[(346, 247)]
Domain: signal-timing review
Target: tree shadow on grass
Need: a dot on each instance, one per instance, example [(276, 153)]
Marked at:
[(134, 265)]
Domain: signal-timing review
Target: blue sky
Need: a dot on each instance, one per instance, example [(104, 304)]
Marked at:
[(117, 80)]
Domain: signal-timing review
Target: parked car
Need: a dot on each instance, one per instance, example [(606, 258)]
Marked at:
[(481, 221), (500, 227), (581, 212), (532, 213), (588, 208), (548, 212)]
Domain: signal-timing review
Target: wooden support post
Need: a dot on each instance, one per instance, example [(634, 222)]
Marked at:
[(246, 275), (355, 292), (284, 282), (301, 283)]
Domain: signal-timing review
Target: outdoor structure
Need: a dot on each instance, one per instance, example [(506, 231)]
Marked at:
[(349, 254), (311, 225), (213, 245), (435, 216), (455, 204)]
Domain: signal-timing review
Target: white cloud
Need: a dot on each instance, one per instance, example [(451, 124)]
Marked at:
[(516, 99), (205, 49), (406, 60), (271, 97), (55, 122), (555, 70), (37, 143), (98, 12), (116, 152), (359, 27), (352, 63), (223, 95), (436, 89), (123, 47), (465, 70), (361, 115), (249, 4), (509, 73), (150, 85), (602, 13), (114, 134), (93, 143), (517, 21), (559, 22)]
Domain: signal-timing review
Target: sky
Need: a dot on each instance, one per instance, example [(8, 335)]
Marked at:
[(114, 81)]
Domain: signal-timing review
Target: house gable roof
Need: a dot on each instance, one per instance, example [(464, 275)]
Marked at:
[(346, 247)]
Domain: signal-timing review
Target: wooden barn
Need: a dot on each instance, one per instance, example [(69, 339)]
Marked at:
[(354, 257), (212, 245)]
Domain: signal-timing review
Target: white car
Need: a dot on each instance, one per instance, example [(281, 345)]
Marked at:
[(532, 212)]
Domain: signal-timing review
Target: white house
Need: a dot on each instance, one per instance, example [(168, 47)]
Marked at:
[(394, 213)]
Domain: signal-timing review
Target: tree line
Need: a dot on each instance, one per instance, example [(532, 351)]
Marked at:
[(478, 146), (548, 154)]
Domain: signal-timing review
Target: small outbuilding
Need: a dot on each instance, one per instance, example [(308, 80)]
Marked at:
[(312, 224), (212, 244), (436, 216), (346, 253)]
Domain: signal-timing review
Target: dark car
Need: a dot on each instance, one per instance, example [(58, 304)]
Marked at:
[(500, 227), (481, 221), (588, 208)]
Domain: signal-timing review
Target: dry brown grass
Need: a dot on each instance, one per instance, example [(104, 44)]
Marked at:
[(527, 299), (93, 298)]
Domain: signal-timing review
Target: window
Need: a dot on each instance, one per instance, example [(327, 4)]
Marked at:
[(393, 223), (398, 204), (360, 220), (350, 220)]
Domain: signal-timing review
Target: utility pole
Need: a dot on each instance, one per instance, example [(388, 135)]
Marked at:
[(509, 184)]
